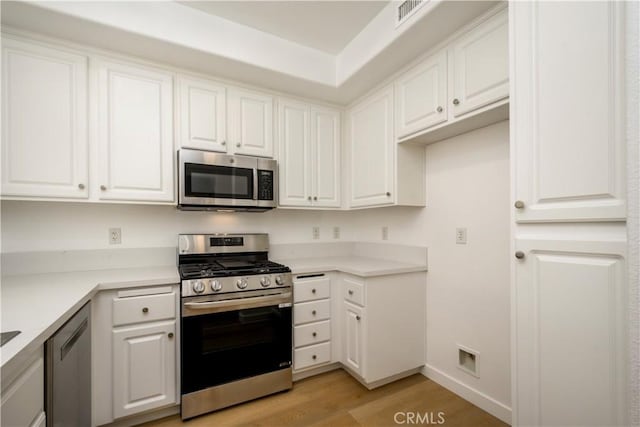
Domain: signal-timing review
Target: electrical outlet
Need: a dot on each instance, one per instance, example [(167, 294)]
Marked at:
[(316, 233), (461, 236), (336, 232), (115, 236), (385, 233)]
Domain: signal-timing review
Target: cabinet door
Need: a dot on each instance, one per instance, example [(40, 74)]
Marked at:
[(567, 111), (570, 307), (480, 66), (135, 133), (202, 115), (294, 171), (23, 399), (353, 338), (44, 121), (144, 368), (325, 158), (421, 96), (372, 150), (250, 122)]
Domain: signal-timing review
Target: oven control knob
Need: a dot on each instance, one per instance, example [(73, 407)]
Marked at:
[(198, 287), (241, 283), (265, 282), (216, 286), (279, 281)]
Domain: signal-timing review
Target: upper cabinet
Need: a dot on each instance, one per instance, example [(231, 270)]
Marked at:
[(567, 136), (480, 66), (309, 145), (202, 114), (44, 121), (250, 122), (462, 87), (134, 132)]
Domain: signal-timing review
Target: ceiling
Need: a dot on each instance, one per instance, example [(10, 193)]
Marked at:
[(324, 25)]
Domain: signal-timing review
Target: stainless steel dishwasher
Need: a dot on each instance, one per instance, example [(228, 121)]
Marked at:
[(68, 372)]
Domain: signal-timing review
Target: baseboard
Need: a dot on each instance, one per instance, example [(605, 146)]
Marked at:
[(145, 417), (481, 400)]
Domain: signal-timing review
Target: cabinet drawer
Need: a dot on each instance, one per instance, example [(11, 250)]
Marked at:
[(144, 308), (353, 291), (311, 333), (311, 289), (312, 355), (306, 312)]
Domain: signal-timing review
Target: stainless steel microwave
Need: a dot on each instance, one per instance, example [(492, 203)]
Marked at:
[(221, 182)]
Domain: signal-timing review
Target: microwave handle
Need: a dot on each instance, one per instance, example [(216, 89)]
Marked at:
[(255, 183)]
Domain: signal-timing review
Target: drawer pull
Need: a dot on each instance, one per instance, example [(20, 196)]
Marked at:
[(357, 317), (314, 357), (314, 334), (313, 291), (313, 312), (350, 292), (145, 309), (170, 335)]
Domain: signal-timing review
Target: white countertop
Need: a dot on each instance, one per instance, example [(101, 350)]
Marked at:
[(39, 304), (359, 266)]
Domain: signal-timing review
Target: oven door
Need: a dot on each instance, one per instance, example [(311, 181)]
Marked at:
[(228, 340), (210, 179)]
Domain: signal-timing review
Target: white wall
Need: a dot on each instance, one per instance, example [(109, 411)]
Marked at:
[(468, 285)]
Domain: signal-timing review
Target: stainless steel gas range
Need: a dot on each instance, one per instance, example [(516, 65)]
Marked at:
[(236, 321)]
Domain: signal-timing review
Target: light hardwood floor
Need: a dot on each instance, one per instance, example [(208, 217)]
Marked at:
[(336, 399)]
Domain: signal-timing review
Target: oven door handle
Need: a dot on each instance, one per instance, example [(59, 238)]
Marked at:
[(196, 308)]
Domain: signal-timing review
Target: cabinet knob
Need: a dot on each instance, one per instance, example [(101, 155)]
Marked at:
[(439, 109), (238, 145), (81, 186), (309, 198), (350, 292), (314, 334), (313, 291), (314, 357), (520, 255), (145, 309), (223, 143), (357, 317), (103, 187), (388, 194), (313, 312), (170, 335), (456, 101), (519, 204), (315, 198)]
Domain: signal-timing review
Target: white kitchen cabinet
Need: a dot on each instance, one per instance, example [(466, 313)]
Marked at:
[(250, 122), (135, 132), (309, 141), (568, 132), (144, 367), (202, 114), (421, 96), (135, 350), (379, 316), (570, 334), (382, 172), (479, 66), (44, 121), (23, 395)]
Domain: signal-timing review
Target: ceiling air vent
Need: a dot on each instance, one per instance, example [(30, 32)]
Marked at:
[(407, 8)]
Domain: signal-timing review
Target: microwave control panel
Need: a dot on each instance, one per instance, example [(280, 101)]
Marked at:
[(265, 185)]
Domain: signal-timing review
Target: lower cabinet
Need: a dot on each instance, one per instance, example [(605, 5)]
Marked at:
[(353, 337), (135, 352), (23, 395)]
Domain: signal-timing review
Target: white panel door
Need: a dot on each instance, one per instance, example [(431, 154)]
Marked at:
[(203, 114), (480, 66), (44, 121), (421, 96), (325, 157), (144, 368), (135, 133), (353, 338), (294, 171), (372, 150), (250, 118), (567, 132), (570, 335)]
